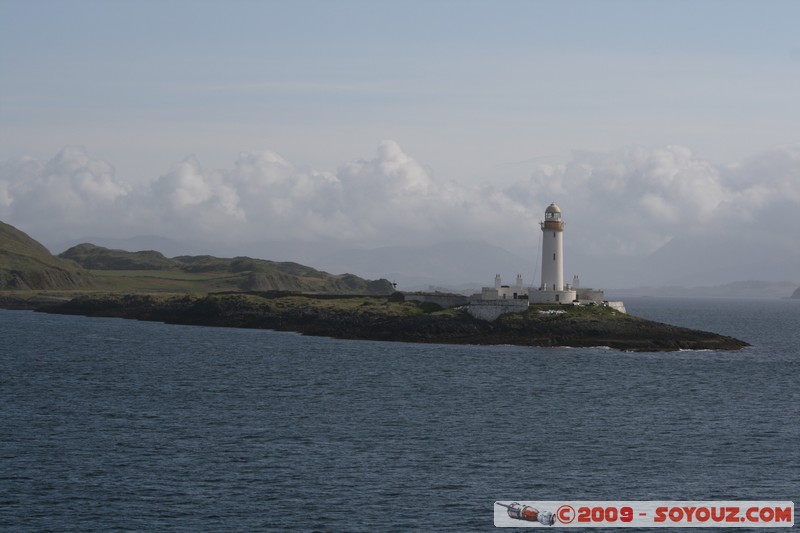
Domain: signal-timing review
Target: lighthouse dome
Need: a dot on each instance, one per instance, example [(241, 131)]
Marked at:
[(552, 208)]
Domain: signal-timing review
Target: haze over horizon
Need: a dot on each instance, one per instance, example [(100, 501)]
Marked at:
[(666, 132)]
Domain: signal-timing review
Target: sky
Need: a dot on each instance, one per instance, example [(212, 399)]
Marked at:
[(406, 123)]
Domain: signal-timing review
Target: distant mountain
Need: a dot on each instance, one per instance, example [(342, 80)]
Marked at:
[(27, 264), (304, 252), (686, 261), (796, 294), (448, 264), (701, 261), (738, 289)]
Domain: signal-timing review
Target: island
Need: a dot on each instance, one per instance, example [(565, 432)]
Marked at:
[(392, 318), (253, 293)]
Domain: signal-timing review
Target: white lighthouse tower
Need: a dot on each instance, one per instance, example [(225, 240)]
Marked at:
[(552, 250), (552, 289)]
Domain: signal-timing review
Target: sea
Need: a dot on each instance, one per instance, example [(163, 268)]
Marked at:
[(118, 425)]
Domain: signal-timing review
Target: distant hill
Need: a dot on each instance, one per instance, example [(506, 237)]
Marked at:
[(26, 264), (697, 261), (98, 258), (466, 264), (168, 247), (796, 294), (138, 270), (446, 264), (737, 289)]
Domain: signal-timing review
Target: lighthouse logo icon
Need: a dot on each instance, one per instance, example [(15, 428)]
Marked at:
[(528, 514)]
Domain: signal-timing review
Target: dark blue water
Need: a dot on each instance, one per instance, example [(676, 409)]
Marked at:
[(113, 425)]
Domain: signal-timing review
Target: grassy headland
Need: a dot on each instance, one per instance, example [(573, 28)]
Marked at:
[(26, 265)]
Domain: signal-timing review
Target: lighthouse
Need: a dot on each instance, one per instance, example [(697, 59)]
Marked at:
[(552, 249), (495, 301), (552, 289)]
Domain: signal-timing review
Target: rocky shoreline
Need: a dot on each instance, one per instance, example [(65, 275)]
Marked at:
[(387, 319)]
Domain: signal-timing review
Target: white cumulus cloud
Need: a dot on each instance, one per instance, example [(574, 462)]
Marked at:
[(70, 192), (635, 199), (626, 202)]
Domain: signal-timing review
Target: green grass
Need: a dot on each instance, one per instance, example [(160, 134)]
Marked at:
[(373, 305), (575, 313), (144, 281)]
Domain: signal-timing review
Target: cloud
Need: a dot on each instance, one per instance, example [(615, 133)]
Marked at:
[(191, 201), (626, 202), (387, 199), (71, 191), (762, 180), (633, 200)]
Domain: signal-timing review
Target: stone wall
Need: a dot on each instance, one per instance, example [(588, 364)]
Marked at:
[(551, 297), (591, 295), (618, 305), (440, 298), (491, 309)]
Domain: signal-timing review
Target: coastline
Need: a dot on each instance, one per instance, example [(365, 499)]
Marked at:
[(382, 318)]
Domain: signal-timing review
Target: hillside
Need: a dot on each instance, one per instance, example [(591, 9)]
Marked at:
[(150, 271), (27, 265), (94, 257)]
